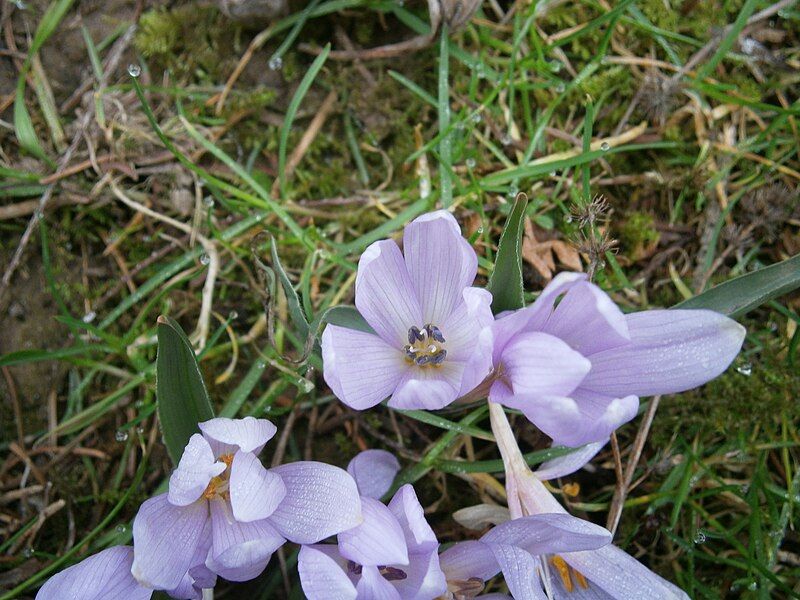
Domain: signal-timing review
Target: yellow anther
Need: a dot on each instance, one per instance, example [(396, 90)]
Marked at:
[(571, 489), (227, 459), (563, 571), (581, 580)]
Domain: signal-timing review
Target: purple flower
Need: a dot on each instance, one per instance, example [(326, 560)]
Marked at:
[(102, 576), (525, 550), (432, 340), (575, 365), (605, 572), (392, 555), (225, 514)]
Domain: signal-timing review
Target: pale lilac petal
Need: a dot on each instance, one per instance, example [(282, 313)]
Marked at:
[(321, 577), (549, 533), (408, 511), (621, 576), (228, 435), (440, 263), (519, 570), (255, 492), (378, 540), (569, 463), (165, 538), (424, 577), (374, 472), (428, 388), (196, 468), (670, 351), (239, 551), (321, 501), (540, 364), (533, 317), (103, 576), (588, 320), (359, 367), (372, 586), (465, 560), (583, 419), (385, 294), (462, 326), (495, 596), (198, 577)]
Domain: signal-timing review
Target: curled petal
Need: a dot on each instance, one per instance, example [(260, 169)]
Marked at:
[(321, 501), (102, 576), (165, 541), (196, 468), (228, 435), (239, 551), (409, 513), (321, 577), (440, 263), (255, 492), (359, 367), (670, 351), (378, 540), (465, 560), (374, 472), (549, 533), (385, 294)]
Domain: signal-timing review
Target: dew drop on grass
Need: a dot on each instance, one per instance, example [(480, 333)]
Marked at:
[(28, 552), (700, 537), (476, 118), (745, 369), (275, 63), (134, 70), (506, 140), (233, 315), (205, 259), (122, 528), (89, 316), (605, 146), (121, 435), (470, 162), (208, 201)]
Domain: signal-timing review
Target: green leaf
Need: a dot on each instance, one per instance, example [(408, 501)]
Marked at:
[(347, 316), (181, 394), (742, 294), (293, 300), (505, 283)]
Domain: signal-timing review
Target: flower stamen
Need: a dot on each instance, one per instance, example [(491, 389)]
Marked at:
[(565, 572), (424, 346)]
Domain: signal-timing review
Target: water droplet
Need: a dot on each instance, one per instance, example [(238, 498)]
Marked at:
[(745, 369), (233, 315), (134, 70), (470, 162), (208, 201), (89, 316), (700, 537), (122, 528), (140, 430), (275, 63), (138, 404), (28, 552), (479, 230), (39, 215), (560, 88), (753, 586), (506, 140), (476, 118), (555, 65), (121, 435), (513, 190), (568, 219), (205, 259), (605, 146), (480, 72)]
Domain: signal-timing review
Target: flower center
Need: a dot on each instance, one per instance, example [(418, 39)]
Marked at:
[(218, 486), (566, 573), (425, 346)]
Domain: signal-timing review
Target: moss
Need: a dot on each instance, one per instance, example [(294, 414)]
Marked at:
[(638, 234), (158, 33), (659, 14)]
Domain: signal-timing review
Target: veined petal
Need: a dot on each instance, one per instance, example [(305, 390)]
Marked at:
[(540, 364), (465, 560), (588, 320), (385, 294), (585, 418), (239, 551), (428, 388), (359, 367), (374, 472), (228, 435), (321, 501), (520, 571), (424, 577), (165, 540), (321, 577), (372, 586), (549, 533), (196, 468), (569, 463), (408, 511), (255, 492), (621, 576), (460, 328), (440, 262), (670, 351), (103, 576), (199, 576), (378, 540)]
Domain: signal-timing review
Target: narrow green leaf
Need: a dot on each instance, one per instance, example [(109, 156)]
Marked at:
[(742, 294), (293, 300), (29, 356), (347, 316), (505, 283), (442, 423), (181, 394)]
